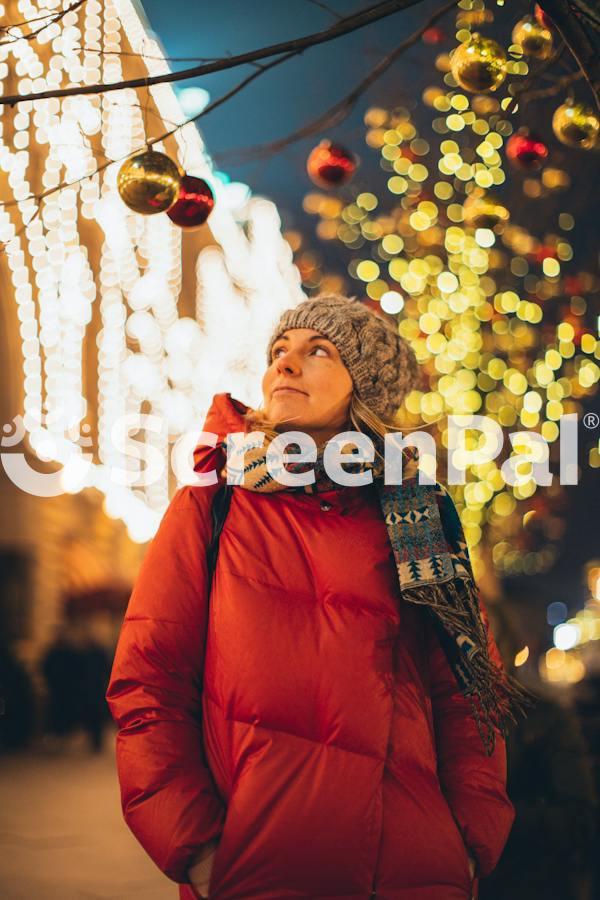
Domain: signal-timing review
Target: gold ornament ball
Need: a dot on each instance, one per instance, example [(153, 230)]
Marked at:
[(484, 211), (149, 182), (576, 125), (533, 38), (479, 65)]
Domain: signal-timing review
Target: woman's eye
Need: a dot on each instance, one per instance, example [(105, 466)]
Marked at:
[(277, 350)]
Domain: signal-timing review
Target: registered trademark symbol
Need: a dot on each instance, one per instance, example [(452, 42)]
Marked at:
[(591, 420)]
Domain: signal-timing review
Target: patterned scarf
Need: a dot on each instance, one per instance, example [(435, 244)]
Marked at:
[(433, 567)]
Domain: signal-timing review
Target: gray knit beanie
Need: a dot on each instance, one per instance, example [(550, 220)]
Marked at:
[(382, 364)]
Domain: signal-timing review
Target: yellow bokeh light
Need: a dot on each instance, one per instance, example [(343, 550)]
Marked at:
[(418, 172), (443, 190), (551, 267), (550, 431), (532, 401), (504, 504), (392, 243), (447, 282), (455, 122), (397, 184), (588, 343), (554, 410), (397, 268), (565, 331), (367, 201), (484, 178), (485, 237), (521, 657), (429, 323), (419, 221), (367, 270), (376, 289), (516, 383)]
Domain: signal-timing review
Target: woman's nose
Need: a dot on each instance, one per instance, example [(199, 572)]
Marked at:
[(288, 363)]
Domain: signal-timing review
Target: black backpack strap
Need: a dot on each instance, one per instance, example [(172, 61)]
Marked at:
[(220, 508)]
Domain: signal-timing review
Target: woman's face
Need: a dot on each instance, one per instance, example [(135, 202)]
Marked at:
[(307, 387)]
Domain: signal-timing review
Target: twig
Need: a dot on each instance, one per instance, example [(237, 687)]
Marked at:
[(345, 26), (85, 48), (227, 96), (339, 111), (566, 16), (29, 21), (327, 9), (519, 90), (33, 34), (551, 91)]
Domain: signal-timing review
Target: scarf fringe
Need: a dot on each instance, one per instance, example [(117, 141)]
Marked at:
[(495, 697)]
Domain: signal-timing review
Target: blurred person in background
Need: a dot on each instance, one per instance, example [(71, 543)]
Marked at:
[(95, 671), (17, 701), (76, 668), (62, 671), (548, 855)]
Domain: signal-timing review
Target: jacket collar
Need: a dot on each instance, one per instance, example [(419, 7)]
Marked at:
[(225, 415)]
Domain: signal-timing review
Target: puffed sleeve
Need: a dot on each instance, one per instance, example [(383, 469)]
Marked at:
[(473, 783), (169, 799)]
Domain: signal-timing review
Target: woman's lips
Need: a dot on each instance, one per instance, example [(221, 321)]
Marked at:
[(290, 390)]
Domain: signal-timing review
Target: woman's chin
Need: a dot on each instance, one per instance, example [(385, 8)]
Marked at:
[(288, 409)]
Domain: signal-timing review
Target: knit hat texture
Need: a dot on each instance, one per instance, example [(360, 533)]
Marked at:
[(381, 363)]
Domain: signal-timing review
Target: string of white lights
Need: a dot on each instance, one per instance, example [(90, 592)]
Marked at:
[(84, 248)]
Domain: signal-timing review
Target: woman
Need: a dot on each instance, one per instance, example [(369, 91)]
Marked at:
[(329, 724)]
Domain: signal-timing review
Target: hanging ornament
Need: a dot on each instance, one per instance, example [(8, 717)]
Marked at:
[(479, 64), (482, 210), (194, 203), (149, 182), (576, 125), (330, 165), (433, 35), (526, 151), (533, 38), (544, 251)]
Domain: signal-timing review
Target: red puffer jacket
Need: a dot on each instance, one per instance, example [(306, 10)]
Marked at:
[(317, 728)]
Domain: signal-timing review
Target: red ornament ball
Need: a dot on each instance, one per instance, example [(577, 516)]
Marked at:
[(194, 203), (330, 165), (526, 151), (433, 35), (544, 252)]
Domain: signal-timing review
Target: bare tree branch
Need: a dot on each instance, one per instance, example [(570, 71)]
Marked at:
[(340, 111), (345, 26), (109, 162)]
